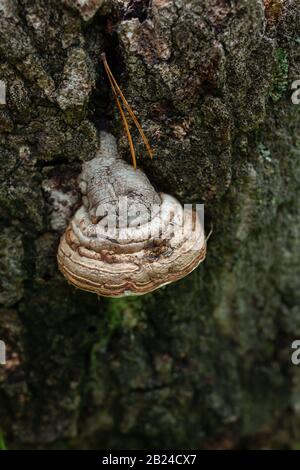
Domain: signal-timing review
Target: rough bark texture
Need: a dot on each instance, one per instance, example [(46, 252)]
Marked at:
[(203, 363)]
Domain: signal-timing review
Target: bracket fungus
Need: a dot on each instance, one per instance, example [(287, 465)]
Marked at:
[(127, 239)]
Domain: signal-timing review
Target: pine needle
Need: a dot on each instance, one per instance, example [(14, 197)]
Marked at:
[(117, 91)]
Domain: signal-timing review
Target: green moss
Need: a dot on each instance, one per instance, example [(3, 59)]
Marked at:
[(124, 312), (280, 82), (2, 443), (120, 314)]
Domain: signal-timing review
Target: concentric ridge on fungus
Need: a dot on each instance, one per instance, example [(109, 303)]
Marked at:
[(129, 260)]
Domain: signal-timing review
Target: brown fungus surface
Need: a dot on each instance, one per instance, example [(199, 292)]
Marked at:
[(114, 249)]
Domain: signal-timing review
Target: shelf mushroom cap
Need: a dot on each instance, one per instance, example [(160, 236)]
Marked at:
[(126, 239)]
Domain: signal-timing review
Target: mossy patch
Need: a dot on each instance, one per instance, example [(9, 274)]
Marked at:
[(280, 82), (2, 442), (124, 312)]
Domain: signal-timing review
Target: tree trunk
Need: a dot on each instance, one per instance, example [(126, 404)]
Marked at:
[(204, 362)]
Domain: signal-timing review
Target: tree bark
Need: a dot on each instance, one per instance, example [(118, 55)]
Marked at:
[(204, 362)]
